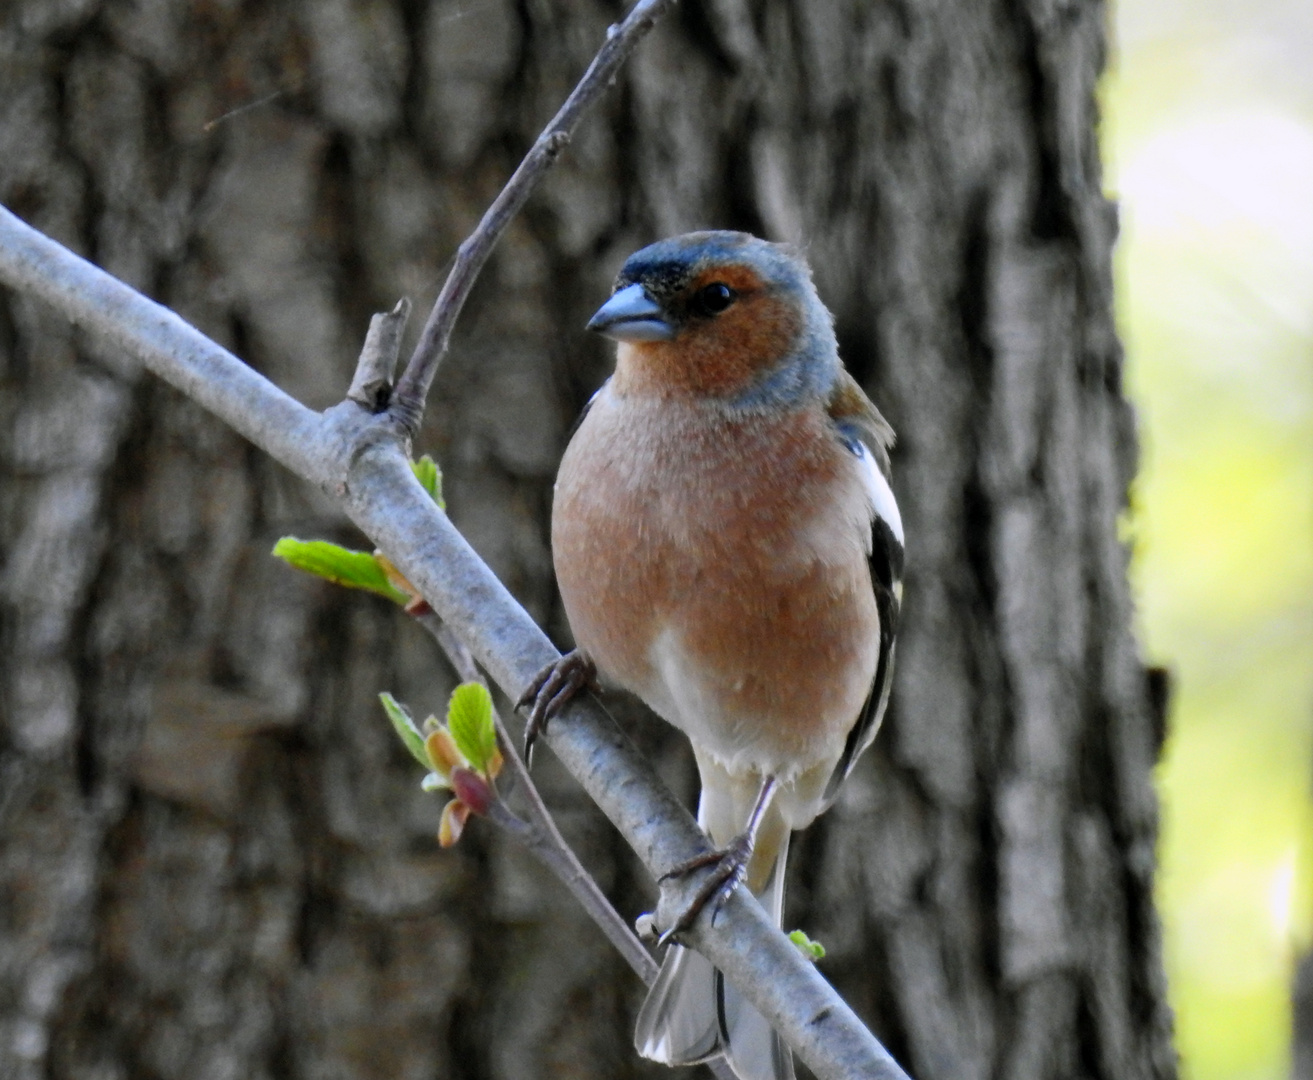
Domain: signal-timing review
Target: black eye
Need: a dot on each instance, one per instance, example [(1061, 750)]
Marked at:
[(713, 298)]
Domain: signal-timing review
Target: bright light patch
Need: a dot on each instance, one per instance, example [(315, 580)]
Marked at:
[(1280, 898), (1250, 167), (1215, 302)]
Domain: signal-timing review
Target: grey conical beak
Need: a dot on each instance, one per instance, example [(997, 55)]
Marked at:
[(632, 315)]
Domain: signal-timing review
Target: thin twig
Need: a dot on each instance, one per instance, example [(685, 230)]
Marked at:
[(540, 834), (413, 389), (231, 113)]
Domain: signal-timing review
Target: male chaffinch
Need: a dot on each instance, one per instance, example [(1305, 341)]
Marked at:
[(728, 548)]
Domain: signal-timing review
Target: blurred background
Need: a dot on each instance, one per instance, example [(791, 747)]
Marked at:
[(1208, 139)]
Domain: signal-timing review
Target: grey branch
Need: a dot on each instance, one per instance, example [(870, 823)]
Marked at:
[(413, 389)]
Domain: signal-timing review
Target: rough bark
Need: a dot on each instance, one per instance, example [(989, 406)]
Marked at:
[(215, 860), (1301, 1043)]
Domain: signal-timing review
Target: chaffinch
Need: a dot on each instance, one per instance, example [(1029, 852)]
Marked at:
[(728, 548)]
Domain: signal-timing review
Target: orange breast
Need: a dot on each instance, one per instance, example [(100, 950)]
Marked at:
[(717, 567)]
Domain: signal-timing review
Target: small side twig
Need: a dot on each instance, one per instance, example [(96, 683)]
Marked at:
[(413, 389), (372, 384), (540, 834)]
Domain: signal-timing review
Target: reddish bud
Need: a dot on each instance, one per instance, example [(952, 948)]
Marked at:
[(471, 789)]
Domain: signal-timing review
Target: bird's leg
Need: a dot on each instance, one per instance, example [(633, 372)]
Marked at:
[(551, 690), (731, 863)]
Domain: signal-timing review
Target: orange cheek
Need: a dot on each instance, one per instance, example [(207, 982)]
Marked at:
[(715, 358)]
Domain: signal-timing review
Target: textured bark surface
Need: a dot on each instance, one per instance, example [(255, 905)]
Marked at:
[(215, 860), (1301, 1048)]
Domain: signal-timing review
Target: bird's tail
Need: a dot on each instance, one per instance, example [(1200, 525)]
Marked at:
[(692, 1013)]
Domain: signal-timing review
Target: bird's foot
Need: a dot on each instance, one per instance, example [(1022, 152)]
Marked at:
[(731, 867), (551, 690)]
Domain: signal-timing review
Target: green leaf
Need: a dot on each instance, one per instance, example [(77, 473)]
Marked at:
[(405, 727), (813, 950), (354, 569), (469, 718), (430, 478)]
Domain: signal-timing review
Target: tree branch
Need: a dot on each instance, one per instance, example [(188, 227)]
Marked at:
[(413, 389)]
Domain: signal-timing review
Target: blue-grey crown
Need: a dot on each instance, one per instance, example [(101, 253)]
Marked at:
[(810, 370)]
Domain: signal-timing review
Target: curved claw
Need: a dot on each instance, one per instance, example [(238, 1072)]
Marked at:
[(551, 690), (731, 867)]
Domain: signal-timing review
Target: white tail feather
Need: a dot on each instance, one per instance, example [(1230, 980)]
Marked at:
[(692, 1014)]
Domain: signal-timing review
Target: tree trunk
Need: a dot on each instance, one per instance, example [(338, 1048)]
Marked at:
[(217, 861), (1301, 1040)]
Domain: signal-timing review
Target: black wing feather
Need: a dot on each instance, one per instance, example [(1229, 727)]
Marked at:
[(886, 562)]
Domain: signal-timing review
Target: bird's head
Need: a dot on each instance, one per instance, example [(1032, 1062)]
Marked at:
[(722, 315)]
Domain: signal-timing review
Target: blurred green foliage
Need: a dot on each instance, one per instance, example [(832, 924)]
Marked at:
[(1209, 137)]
